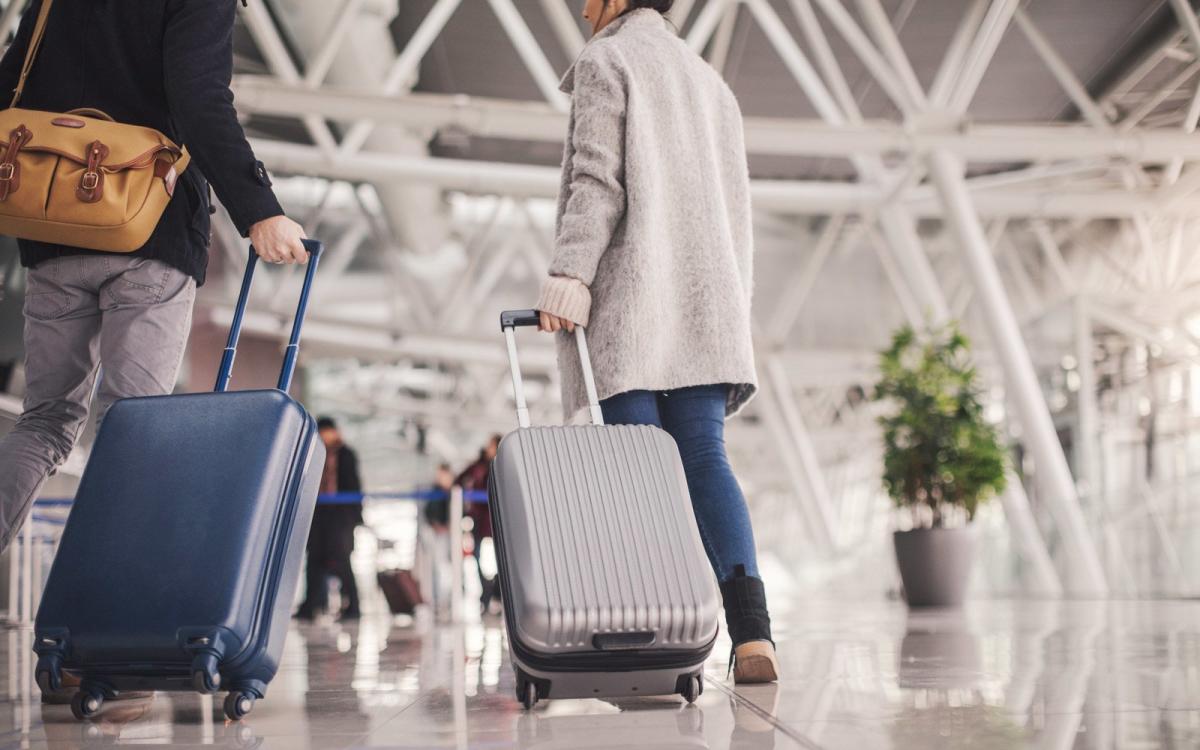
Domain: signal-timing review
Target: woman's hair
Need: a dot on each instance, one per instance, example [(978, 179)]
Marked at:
[(662, 6)]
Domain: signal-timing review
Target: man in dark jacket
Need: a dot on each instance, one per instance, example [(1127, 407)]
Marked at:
[(331, 540), (167, 65)]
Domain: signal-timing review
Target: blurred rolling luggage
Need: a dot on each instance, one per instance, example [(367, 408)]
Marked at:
[(401, 590), (607, 588), (180, 559)]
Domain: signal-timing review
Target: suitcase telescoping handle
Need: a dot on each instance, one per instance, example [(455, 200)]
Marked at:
[(314, 249), (510, 320)]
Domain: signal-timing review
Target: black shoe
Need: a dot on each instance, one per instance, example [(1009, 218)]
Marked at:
[(350, 613)]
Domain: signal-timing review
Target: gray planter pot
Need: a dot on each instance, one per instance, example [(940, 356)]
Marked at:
[(935, 565)]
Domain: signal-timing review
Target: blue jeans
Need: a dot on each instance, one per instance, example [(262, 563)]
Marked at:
[(695, 417)]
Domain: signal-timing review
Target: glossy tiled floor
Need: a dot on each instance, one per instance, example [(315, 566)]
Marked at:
[(857, 676)]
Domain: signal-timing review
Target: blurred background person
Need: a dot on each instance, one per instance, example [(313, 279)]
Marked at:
[(475, 478), (437, 539), (331, 541)]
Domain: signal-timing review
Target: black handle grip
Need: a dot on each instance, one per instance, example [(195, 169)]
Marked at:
[(518, 319)]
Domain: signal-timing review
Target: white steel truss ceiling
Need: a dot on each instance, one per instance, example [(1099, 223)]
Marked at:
[(1027, 167)]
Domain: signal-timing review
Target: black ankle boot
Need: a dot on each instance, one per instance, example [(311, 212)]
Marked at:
[(746, 608)]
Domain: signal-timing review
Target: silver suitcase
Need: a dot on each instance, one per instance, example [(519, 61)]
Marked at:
[(607, 590)]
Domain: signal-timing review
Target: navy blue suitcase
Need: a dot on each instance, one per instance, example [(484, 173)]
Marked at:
[(179, 562)]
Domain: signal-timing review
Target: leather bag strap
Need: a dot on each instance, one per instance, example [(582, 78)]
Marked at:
[(35, 42)]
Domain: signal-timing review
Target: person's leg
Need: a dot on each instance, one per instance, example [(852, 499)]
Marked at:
[(62, 323), (343, 568), (695, 417), (316, 588), (147, 319), (345, 575)]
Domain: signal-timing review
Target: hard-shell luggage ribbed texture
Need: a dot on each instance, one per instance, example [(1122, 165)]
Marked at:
[(598, 523), (607, 589)]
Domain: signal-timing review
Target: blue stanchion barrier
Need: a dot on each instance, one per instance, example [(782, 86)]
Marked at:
[(424, 496), (339, 498)]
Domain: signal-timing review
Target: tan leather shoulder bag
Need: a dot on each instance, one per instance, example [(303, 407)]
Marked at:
[(79, 178)]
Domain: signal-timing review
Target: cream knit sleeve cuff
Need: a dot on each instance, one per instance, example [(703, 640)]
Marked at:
[(567, 298)]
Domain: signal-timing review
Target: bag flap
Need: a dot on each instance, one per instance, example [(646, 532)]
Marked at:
[(69, 135)]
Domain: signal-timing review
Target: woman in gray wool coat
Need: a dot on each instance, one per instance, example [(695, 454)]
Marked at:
[(653, 256)]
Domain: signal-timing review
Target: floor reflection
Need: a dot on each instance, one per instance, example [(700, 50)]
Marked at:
[(1047, 675)]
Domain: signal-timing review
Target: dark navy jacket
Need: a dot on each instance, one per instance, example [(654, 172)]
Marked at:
[(161, 63)]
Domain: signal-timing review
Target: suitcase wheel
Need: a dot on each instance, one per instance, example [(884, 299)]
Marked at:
[(693, 689), (527, 693), (206, 680), (49, 674), (86, 703), (238, 704)]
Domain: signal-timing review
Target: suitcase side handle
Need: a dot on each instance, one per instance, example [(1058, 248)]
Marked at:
[(510, 320), (225, 372)]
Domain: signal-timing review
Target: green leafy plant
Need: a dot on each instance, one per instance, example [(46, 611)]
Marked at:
[(940, 454)]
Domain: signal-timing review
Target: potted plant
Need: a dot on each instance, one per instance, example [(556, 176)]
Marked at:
[(941, 459)]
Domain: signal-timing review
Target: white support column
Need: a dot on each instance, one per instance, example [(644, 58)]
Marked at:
[(565, 27), (810, 25), (530, 52), (1152, 102), (279, 61), (718, 53), (11, 18), (820, 533), (1062, 72), (800, 284), (1189, 23), (456, 554), (801, 441), (399, 77), (879, 68), (979, 55), (706, 23), (316, 70), (951, 67), (912, 309), (1043, 580), (26, 608), (1061, 496), (1054, 256), (1087, 456), (899, 229), (889, 44), (14, 582), (795, 61)]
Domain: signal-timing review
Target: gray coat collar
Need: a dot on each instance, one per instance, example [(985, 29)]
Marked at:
[(639, 18)]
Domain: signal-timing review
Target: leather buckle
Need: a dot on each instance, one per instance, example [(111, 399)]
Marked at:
[(90, 180), (7, 170)]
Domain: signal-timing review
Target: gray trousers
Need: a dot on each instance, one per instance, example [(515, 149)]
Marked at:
[(131, 315)]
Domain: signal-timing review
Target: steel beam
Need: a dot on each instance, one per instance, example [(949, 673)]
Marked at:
[(788, 197), (565, 27), (404, 69), (883, 71), (1040, 434), (979, 55), (530, 53), (952, 62), (766, 136)]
